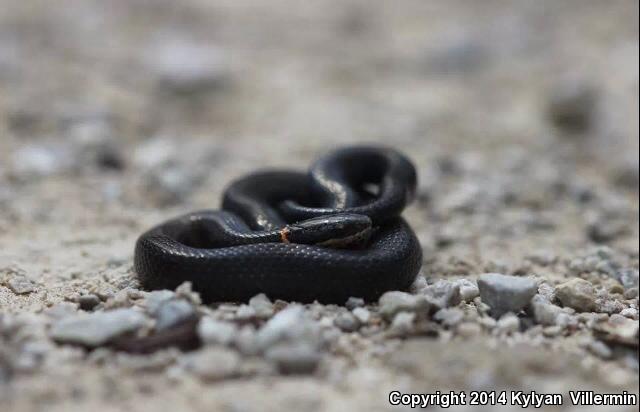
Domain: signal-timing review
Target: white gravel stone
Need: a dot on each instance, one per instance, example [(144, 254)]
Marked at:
[(402, 323), (20, 285), (294, 358), (262, 306), (213, 363), (172, 313), (442, 294), (354, 303), (394, 302), (544, 312), (468, 289), (347, 322), (215, 332), (362, 314), (97, 328), (449, 316), (506, 293), (288, 325)]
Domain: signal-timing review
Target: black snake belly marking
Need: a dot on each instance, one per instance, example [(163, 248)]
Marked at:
[(325, 235)]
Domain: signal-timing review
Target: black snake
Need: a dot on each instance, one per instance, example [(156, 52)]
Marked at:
[(325, 235)]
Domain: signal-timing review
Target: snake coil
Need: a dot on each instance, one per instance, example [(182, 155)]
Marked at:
[(326, 235)]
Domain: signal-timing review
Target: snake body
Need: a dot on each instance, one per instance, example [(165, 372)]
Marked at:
[(326, 235)]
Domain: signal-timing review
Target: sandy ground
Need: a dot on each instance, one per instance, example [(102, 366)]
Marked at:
[(521, 117)]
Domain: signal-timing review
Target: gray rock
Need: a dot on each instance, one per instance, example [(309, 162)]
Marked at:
[(449, 316), (353, 303), (262, 306), (294, 358), (577, 294), (33, 161), (505, 293), (156, 298), (215, 332), (172, 313), (468, 289), (394, 302), (20, 285), (544, 312), (347, 322), (628, 278), (508, 323), (88, 302), (245, 312), (97, 328), (213, 364), (362, 314), (443, 294), (288, 325), (402, 323)]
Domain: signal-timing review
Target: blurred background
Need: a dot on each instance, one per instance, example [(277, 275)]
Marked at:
[(521, 117)]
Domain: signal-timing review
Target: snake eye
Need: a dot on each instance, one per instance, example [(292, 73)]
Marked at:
[(339, 230)]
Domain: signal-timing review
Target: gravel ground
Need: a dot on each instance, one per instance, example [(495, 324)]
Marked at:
[(522, 118)]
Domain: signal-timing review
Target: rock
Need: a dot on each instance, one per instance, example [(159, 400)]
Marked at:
[(288, 325), (362, 314), (20, 285), (628, 278), (88, 302), (442, 294), (155, 299), (171, 185), (505, 293), (631, 313), (468, 289), (262, 306), (97, 328), (172, 313), (394, 302), (508, 323), (213, 364), (577, 294), (544, 312), (294, 358), (347, 322), (402, 323), (449, 316), (354, 303), (245, 312), (215, 332)]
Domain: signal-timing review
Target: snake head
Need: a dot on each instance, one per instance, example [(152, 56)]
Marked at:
[(336, 231)]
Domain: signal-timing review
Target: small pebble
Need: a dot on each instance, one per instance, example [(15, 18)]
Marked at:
[(262, 306), (213, 364), (468, 289), (347, 322), (508, 323), (97, 328), (577, 294), (394, 302), (294, 358), (442, 294), (362, 314), (353, 303), (172, 313), (20, 285), (215, 332), (402, 323), (449, 316), (506, 293)]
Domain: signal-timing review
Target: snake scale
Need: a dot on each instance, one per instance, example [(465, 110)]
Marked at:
[(326, 235)]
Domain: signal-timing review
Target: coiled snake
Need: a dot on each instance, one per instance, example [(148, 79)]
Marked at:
[(325, 235)]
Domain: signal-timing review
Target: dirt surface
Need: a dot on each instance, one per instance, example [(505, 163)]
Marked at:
[(521, 117)]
